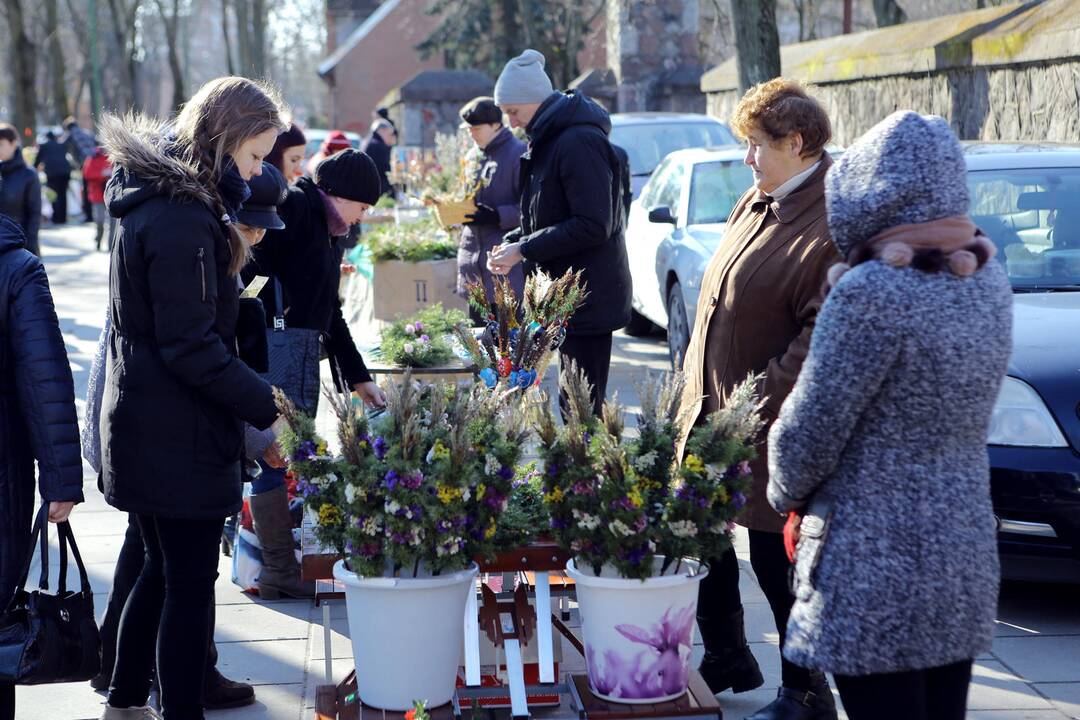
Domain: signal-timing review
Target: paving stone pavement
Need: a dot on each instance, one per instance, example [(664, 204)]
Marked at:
[(1032, 673)]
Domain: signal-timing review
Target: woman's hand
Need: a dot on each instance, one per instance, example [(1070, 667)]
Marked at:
[(59, 511), (371, 394), (504, 257)]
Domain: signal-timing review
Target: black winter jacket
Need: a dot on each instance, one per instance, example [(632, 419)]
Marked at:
[(37, 403), (52, 158), (307, 261), (572, 207), (20, 198), (176, 395), (377, 149)]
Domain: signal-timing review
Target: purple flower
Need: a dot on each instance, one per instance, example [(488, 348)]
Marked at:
[(443, 526), (739, 500), (581, 487), (493, 499), (553, 469), (622, 503), (306, 451), (635, 556), (419, 326), (417, 511), (506, 473), (390, 480), (586, 437), (380, 447), (413, 480), (305, 488), (425, 339), (557, 523)]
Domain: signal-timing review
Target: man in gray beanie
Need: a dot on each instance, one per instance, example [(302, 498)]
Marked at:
[(577, 220)]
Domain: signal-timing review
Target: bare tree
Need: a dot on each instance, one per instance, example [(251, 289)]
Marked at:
[(57, 86), (807, 10), (124, 14), (228, 36), (889, 12), (170, 18), (23, 66), (757, 41)]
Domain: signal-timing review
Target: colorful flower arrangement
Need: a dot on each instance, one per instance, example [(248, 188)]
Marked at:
[(423, 340), (622, 502), (417, 241), (518, 341), (421, 488)]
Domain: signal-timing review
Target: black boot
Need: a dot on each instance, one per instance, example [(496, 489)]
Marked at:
[(728, 662), (220, 693), (790, 704)]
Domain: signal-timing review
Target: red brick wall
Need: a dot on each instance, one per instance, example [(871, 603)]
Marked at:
[(382, 61)]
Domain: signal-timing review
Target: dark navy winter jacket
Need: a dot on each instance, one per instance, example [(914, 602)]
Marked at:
[(37, 402)]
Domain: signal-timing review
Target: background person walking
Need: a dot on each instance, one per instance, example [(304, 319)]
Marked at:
[(53, 160), (883, 440), (20, 188)]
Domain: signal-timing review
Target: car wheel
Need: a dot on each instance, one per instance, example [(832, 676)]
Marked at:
[(639, 325), (678, 329)]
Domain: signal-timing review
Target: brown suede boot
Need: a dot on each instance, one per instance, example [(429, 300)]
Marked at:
[(280, 574)]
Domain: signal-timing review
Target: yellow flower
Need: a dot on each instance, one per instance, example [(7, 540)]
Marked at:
[(321, 448), (448, 494), (329, 515), (440, 451), (480, 490), (635, 497), (554, 496), (693, 464), (490, 532)]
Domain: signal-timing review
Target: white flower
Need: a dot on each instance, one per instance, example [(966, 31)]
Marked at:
[(491, 465), (683, 528), (350, 493), (714, 472), (619, 528), (410, 329), (408, 348), (465, 495), (586, 520), (331, 478), (392, 507), (646, 461), (430, 455)]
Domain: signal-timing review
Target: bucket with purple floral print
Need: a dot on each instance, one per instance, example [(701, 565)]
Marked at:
[(407, 634), (638, 634)]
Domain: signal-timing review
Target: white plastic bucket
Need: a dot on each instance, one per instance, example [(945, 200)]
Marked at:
[(638, 634), (407, 635)]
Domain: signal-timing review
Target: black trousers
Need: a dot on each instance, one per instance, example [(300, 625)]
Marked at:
[(719, 595), (59, 185), (129, 565), (938, 693), (7, 701), (172, 602), (592, 353)]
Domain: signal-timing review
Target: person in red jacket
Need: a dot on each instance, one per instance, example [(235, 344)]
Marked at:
[(96, 172)]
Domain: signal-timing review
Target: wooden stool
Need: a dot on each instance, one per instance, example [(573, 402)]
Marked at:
[(339, 702), (698, 703)]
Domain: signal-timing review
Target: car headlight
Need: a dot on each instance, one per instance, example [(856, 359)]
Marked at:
[(1021, 418)]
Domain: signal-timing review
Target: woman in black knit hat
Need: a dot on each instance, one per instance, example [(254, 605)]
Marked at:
[(305, 258)]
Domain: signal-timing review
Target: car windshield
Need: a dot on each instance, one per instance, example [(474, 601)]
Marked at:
[(648, 144), (715, 187), (1033, 216)]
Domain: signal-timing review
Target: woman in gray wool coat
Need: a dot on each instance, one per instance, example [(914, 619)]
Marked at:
[(882, 443)]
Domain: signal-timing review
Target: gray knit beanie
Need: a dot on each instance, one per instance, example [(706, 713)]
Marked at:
[(523, 81), (909, 168)]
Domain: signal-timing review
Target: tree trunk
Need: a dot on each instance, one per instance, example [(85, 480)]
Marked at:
[(171, 20), (243, 35), (228, 39), (888, 12), (58, 87), (258, 39), (847, 17), (123, 25), (23, 66), (757, 42)]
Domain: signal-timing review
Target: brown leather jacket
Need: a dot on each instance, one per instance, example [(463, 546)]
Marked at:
[(759, 298)]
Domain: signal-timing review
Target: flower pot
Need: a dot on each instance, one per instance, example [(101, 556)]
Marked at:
[(407, 635), (638, 635)]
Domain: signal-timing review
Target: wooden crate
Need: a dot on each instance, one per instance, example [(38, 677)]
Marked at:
[(698, 703)]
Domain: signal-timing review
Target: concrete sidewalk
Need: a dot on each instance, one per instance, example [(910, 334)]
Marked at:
[(1032, 673)]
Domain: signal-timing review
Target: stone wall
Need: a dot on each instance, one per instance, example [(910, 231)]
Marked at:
[(1006, 73)]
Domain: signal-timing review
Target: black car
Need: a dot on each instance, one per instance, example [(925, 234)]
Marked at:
[(1026, 198)]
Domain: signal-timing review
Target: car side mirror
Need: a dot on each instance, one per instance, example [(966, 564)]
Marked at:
[(661, 214)]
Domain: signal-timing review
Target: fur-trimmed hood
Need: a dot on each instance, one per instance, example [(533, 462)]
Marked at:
[(145, 166)]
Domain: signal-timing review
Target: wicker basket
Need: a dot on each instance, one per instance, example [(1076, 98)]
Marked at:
[(450, 212)]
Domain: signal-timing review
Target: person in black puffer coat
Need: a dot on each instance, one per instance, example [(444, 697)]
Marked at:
[(572, 209), (20, 198), (37, 413), (176, 394)]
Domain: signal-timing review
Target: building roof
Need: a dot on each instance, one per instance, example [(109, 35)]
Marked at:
[(327, 66), (1005, 35), (439, 85)]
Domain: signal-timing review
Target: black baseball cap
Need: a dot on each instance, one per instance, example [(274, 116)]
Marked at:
[(481, 111), (268, 190)]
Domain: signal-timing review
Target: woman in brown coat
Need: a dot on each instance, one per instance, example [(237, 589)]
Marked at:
[(759, 297)]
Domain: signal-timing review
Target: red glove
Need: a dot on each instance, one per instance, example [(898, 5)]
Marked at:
[(791, 534)]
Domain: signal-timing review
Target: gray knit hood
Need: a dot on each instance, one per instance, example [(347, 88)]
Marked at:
[(909, 168)]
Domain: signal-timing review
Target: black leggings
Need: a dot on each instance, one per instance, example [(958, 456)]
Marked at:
[(938, 693), (7, 701), (719, 592), (172, 599), (592, 353)]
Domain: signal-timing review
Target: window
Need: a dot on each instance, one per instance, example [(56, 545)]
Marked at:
[(670, 190), (647, 144), (715, 188)]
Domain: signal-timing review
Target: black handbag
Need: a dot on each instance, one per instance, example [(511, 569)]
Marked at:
[(293, 355), (50, 638)]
